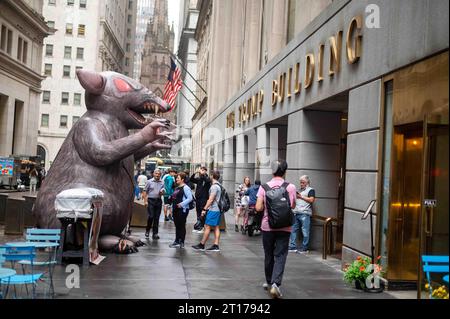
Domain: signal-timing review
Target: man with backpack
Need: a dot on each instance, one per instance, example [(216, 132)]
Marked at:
[(276, 199), (217, 204)]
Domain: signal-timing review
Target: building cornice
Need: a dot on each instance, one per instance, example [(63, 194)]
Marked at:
[(21, 72), (203, 6), (32, 17), (111, 33), (201, 110)]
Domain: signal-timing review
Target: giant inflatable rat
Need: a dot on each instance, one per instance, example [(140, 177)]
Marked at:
[(100, 153)]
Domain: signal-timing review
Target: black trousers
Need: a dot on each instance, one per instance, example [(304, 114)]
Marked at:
[(179, 218), (154, 211), (276, 245), (199, 205)]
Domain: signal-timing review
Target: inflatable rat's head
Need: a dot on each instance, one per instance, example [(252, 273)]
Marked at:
[(121, 97)]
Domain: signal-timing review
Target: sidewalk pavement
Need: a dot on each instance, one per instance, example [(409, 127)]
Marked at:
[(236, 272)]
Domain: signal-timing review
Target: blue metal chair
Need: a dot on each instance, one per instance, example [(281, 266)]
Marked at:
[(38, 237), (13, 255), (434, 264)]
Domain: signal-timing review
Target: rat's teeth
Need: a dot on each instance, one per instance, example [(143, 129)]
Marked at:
[(156, 109)]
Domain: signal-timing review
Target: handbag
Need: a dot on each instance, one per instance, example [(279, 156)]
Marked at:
[(244, 200)]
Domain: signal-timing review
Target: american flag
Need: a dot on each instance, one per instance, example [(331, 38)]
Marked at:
[(173, 85)]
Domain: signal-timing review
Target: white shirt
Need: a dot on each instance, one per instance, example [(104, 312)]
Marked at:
[(142, 180)]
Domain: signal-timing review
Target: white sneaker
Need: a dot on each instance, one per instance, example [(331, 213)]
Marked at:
[(266, 286), (275, 292)]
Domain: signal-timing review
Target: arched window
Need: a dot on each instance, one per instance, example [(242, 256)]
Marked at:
[(164, 72), (42, 154)]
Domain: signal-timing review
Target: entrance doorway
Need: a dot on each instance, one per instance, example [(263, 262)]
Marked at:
[(415, 182)]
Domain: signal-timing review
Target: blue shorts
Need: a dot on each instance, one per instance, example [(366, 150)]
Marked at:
[(212, 218)]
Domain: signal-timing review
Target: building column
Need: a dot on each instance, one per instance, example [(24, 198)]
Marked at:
[(362, 169), (229, 168), (314, 150), (6, 124), (266, 152), (245, 158)]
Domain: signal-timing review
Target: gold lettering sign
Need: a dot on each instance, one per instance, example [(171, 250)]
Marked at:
[(309, 74), (298, 85), (274, 92), (335, 54), (289, 94), (230, 120), (260, 101), (354, 47), (249, 109), (281, 87), (320, 64)]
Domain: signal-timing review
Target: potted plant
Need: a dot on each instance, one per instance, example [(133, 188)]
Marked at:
[(359, 270)]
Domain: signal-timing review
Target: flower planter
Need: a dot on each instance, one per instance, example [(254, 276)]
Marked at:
[(359, 285)]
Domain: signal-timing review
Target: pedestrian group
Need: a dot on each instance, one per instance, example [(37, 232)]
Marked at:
[(275, 209)]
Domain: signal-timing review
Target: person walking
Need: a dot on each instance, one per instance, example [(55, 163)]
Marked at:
[(169, 186), (213, 214), (240, 203), (33, 179), (203, 183), (181, 200), (275, 240), (153, 191), (141, 181), (305, 198)]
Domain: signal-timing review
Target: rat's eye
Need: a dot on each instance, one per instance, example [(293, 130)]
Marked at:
[(122, 85)]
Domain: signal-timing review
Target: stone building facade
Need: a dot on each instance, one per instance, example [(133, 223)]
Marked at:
[(23, 30), (355, 95)]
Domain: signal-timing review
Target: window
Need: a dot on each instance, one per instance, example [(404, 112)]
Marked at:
[(127, 61), (67, 52), (63, 121), (3, 38), (44, 120), (51, 2), (129, 18), (48, 69), (77, 99), (65, 98), (19, 48), (128, 47), (9, 42), (70, 2), (51, 24), (25, 52), (66, 71), (46, 97), (83, 4), (80, 53), (128, 33), (69, 28), (75, 119), (81, 29), (49, 50), (130, 5)]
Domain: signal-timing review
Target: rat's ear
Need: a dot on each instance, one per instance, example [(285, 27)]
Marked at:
[(92, 82)]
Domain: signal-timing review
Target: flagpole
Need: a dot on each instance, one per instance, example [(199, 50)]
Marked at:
[(188, 101), (192, 93), (201, 87)]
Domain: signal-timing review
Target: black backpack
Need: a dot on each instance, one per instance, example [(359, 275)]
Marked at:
[(192, 203), (224, 201), (278, 206)]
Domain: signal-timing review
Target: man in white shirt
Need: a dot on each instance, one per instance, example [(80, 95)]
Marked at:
[(142, 181)]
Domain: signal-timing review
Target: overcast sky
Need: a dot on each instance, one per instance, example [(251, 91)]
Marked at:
[(174, 12)]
